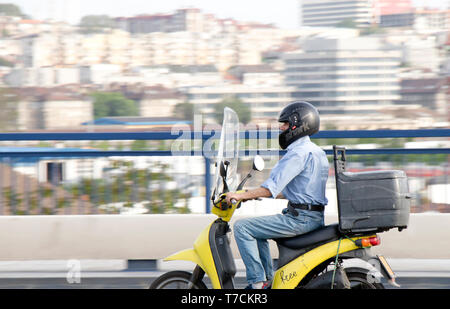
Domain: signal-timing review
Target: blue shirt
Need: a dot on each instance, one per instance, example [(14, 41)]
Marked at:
[(301, 174)]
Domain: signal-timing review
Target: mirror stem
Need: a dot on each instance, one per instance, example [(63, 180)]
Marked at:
[(241, 185)]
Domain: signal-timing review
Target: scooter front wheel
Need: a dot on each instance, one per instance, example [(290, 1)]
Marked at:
[(176, 280)]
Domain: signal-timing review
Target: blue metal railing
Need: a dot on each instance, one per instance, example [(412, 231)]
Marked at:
[(203, 136), (206, 135)]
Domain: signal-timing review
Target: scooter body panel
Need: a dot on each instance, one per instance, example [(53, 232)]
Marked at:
[(290, 275), (201, 255)]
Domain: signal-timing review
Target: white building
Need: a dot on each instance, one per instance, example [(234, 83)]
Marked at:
[(52, 109), (101, 73), (328, 13), (419, 51), (432, 19), (42, 76), (265, 101)]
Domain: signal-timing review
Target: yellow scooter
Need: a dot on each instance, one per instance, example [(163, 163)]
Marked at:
[(312, 261)]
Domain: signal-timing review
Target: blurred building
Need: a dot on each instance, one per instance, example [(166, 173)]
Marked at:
[(190, 19), (51, 108), (183, 20), (259, 87), (346, 78), (329, 13), (160, 103), (432, 19), (393, 13), (101, 73), (419, 51), (428, 93), (385, 13), (42, 76), (265, 102)]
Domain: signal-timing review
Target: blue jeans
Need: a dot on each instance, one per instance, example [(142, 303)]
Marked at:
[(251, 235)]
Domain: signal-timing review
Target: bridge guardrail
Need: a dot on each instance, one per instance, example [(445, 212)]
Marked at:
[(27, 198)]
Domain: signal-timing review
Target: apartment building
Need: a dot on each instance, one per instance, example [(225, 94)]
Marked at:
[(432, 19), (42, 76), (265, 102), (262, 90), (393, 13), (159, 103), (51, 108), (385, 13), (189, 19), (329, 13), (428, 93), (345, 77)]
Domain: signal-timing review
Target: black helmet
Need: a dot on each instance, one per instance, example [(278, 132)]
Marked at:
[(303, 120)]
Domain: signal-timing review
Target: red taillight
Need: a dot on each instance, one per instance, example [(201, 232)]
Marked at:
[(367, 242), (375, 241)]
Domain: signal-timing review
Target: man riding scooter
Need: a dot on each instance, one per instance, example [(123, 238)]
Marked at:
[(300, 177)]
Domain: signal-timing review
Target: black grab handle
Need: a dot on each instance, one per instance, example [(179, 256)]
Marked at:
[(339, 163)]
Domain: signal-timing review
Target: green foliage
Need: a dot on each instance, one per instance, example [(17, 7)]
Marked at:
[(111, 104), (9, 9), (5, 63), (139, 145), (372, 30), (241, 108), (96, 23), (346, 23), (184, 111)]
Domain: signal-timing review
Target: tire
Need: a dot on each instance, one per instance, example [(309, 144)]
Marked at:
[(359, 281), (176, 280)]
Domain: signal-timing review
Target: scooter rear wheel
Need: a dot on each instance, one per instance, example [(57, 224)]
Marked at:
[(359, 280), (176, 280)]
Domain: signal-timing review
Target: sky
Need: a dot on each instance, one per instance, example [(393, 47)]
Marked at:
[(282, 13)]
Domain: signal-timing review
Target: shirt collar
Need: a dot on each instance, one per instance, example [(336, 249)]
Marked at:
[(298, 142)]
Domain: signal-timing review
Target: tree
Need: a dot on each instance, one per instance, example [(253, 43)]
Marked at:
[(110, 104), (9, 9), (372, 30), (6, 63), (96, 23), (241, 108), (184, 111), (346, 23)]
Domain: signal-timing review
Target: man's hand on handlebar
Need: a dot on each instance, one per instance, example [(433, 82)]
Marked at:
[(232, 197), (248, 195)]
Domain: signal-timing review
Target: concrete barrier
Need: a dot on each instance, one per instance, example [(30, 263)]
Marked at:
[(153, 237)]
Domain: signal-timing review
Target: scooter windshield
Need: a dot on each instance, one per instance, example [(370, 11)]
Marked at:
[(228, 153)]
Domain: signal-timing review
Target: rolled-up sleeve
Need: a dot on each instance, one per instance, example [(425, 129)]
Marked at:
[(291, 165)]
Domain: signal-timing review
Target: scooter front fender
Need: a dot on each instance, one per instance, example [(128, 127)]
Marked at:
[(200, 255), (192, 256)]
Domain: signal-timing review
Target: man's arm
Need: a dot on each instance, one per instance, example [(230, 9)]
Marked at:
[(249, 195), (280, 196)]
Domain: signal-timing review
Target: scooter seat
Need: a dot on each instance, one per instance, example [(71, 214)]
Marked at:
[(320, 235)]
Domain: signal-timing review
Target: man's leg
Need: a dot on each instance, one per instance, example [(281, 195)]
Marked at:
[(266, 258), (251, 236), (248, 248)]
